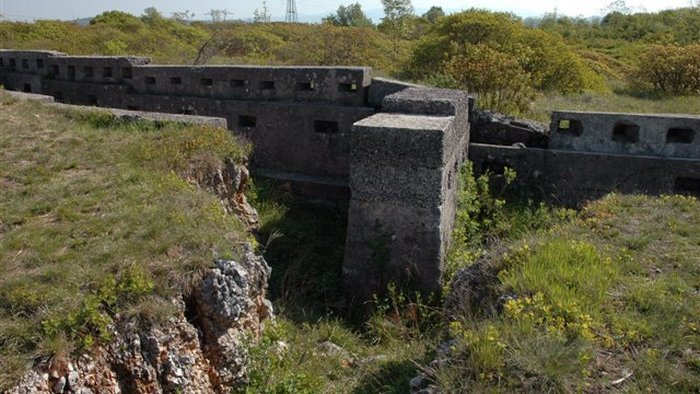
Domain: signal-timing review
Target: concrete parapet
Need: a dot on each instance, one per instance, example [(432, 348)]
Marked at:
[(571, 178), (403, 179), (627, 134)]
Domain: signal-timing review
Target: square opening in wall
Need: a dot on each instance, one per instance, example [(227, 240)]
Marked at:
[(570, 127), (625, 133), (92, 99), (347, 87), (55, 70), (305, 86), (25, 63), (326, 127), (687, 186), (13, 64), (175, 81), (107, 72), (247, 121), (133, 108), (267, 85), (88, 72), (39, 63), (2, 62), (27, 88), (127, 73), (71, 73), (680, 136), (207, 82), (237, 83), (150, 80)]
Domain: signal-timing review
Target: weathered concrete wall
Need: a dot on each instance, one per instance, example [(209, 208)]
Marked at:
[(299, 118), (394, 149), (630, 134), (571, 178), (403, 177)]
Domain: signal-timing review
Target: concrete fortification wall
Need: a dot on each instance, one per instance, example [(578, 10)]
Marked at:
[(393, 150)]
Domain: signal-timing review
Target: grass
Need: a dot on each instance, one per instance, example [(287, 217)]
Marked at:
[(543, 106), (613, 294), (95, 220), (303, 243)]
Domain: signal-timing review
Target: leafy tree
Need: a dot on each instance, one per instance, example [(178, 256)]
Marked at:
[(495, 56), (671, 69), (398, 18), (351, 15), (117, 19), (433, 14)]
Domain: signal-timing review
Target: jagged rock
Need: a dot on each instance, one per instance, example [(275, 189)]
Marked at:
[(59, 385), (331, 349), (228, 182), (201, 349)]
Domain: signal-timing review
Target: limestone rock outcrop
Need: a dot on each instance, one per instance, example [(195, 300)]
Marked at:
[(201, 349)]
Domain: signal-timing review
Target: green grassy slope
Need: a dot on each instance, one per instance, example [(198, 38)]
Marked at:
[(95, 220), (608, 301)]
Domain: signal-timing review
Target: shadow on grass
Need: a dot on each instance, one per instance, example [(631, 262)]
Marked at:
[(391, 378), (304, 243)]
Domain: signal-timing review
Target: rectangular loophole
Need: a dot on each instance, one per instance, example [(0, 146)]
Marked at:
[(58, 97), (305, 86), (237, 83), (13, 63), (326, 127), (71, 73), (150, 80), (27, 88), (107, 72), (570, 127), (247, 121), (92, 99), (267, 85), (175, 81), (347, 87), (687, 185), (207, 82), (626, 133), (680, 136), (55, 70), (127, 73), (25, 63), (40, 63), (133, 108), (88, 72)]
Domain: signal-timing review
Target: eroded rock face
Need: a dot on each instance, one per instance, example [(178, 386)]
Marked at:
[(228, 182), (201, 349)]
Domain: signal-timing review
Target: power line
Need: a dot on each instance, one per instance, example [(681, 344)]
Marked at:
[(291, 16)]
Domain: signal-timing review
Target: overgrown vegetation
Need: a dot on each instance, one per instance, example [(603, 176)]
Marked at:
[(95, 220), (608, 301)]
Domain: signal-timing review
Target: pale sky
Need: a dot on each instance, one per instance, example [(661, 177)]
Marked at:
[(243, 9)]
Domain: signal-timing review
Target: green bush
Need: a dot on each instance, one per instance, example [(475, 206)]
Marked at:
[(671, 69), (495, 56)]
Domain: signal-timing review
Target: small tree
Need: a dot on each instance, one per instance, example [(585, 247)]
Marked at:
[(185, 16), (433, 14), (351, 15), (398, 17), (262, 16)]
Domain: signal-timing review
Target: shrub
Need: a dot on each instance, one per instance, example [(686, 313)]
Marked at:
[(495, 56), (671, 69)]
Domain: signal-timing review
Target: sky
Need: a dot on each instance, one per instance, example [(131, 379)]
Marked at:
[(308, 9)]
